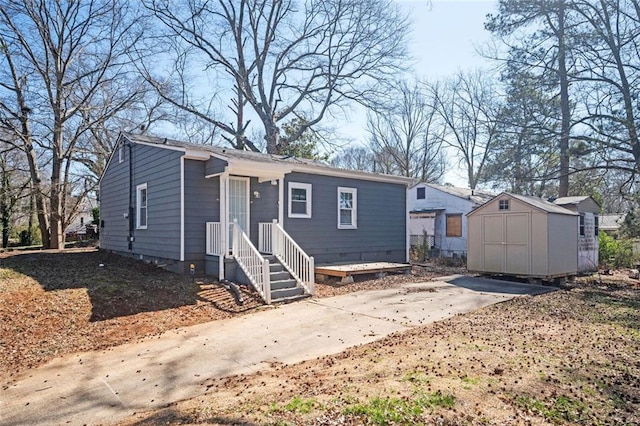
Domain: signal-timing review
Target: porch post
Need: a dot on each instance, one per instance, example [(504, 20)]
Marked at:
[(224, 224), (281, 201)]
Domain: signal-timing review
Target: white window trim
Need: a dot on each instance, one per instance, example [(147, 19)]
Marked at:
[(354, 209), (307, 187), (121, 153), (139, 189)]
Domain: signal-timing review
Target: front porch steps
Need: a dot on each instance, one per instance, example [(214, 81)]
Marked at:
[(283, 287)]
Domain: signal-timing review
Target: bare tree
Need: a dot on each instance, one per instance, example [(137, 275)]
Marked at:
[(355, 158), (59, 65), (469, 106), (408, 132), (608, 54), (275, 60)]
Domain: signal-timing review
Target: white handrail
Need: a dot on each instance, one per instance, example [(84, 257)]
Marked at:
[(214, 238), (251, 261), (300, 265)]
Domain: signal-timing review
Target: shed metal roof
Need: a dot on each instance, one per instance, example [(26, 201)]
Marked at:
[(542, 204)]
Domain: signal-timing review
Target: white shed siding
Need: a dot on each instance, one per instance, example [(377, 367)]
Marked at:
[(524, 240)]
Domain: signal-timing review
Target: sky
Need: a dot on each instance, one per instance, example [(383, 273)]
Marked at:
[(444, 37)]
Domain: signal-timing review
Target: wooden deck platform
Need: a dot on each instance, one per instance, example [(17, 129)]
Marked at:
[(349, 269)]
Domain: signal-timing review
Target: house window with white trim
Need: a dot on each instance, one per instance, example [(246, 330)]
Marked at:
[(120, 153), (141, 206), (299, 200), (581, 225), (347, 208), (503, 205)]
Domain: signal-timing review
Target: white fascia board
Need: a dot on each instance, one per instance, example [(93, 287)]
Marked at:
[(191, 154), (264, 171)]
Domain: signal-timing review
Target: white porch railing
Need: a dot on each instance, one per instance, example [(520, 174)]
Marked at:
[(275, 240), (252, 263), (265, 238), (214, 238)]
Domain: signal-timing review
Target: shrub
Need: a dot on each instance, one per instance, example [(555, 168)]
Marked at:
[(615, 253)]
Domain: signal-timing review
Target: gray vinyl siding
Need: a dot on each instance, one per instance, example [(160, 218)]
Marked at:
[(381, 220), (114, 204), (263, 209), (201, 205), (160, 169), (214, 166)]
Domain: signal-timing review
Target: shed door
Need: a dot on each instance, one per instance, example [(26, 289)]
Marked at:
[(505, 243), (517, 243)]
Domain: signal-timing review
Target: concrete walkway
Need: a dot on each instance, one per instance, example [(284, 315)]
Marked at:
[(107, 386)]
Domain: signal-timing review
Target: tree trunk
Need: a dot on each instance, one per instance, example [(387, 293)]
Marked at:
[(5, 204), (563, 179), (56, 193), (272, 139), (36, 182)]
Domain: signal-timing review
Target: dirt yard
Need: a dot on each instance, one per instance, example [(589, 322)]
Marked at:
[(568, 357), (56, 303)]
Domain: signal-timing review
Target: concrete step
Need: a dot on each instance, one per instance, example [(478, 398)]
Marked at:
[(283, 284), (286, 293), (275, 267), (279, 275), (290, 299)]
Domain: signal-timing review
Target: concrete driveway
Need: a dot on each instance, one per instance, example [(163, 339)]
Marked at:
[(107, 386)]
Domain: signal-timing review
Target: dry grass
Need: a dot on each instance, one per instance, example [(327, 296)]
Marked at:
[(54, 303), (568, 357)]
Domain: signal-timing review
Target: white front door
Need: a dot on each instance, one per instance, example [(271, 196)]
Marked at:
[(239, 203)]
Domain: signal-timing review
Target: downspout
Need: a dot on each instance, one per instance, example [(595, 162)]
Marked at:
[(131, 206)]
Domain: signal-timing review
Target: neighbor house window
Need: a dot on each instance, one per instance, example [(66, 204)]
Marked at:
[(582, 225), (121, 153), (503, 205), (141, 206), (299, 200), (421, 194), (596, 225), (347, 208), (454, 225)]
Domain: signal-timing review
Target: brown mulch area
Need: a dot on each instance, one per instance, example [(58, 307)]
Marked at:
[(54, 303)]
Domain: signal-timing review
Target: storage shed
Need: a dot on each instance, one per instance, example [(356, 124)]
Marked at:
[(523, 236)]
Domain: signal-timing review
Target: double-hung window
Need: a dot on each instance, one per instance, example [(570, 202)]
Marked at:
[(299, 200), (141, 206), (347, 208)]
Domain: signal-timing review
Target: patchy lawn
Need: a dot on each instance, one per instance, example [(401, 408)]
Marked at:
[(563, 358), (568, 357)]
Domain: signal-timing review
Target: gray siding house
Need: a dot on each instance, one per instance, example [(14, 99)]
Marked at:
[(254, 218)]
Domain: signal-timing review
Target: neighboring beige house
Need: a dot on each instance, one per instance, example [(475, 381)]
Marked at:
[(610, 223), (523, 236)]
